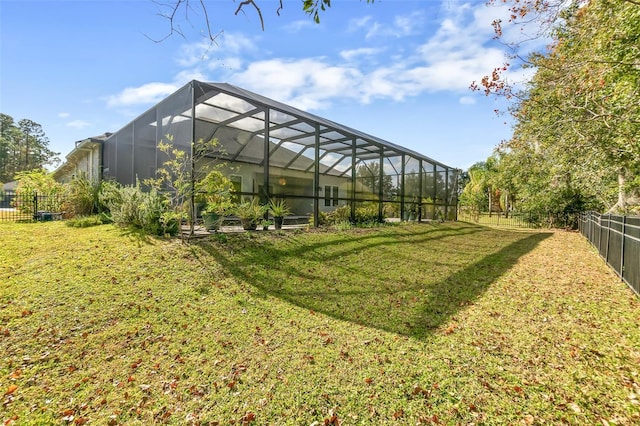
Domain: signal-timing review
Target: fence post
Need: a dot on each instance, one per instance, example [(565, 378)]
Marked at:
[(35, 206), (624, 230), (606, 253)]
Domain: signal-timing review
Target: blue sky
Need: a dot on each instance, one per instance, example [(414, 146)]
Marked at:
[(399, 70)]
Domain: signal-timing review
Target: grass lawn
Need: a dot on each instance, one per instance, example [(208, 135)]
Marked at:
[(411, 324)]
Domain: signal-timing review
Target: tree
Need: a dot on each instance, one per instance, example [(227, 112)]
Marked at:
[(23, 147), (175, 10), (38, 190), (481, 192), (368, 174), (579, 116)]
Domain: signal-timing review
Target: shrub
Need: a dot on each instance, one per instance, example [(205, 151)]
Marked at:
[(148, 211), (38, 183), (343, 225), (83, 196), (367, 215)]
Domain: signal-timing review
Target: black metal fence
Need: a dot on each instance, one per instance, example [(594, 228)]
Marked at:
[(617, 239), (526, 220), (31, 207)]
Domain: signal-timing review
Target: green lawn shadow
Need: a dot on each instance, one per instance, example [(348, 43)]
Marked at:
[(408, 282)]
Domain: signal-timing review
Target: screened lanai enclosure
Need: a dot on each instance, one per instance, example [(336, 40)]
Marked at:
[(271, 150)]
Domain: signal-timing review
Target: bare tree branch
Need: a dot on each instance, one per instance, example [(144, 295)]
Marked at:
[(251, 2)]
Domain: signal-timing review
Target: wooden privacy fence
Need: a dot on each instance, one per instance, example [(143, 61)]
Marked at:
[(617, 238)]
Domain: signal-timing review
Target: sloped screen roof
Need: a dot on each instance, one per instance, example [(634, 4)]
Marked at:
[(292, 132)]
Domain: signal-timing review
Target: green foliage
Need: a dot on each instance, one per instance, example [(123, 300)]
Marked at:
[(343, 225), (578, 121), (175, 179), (182, 176), (314, 8), (84, 221), (279, 208), (368, 177), (109, 195), (147, 211), (39, 183), (340, 214), (367, 214), (215, 190), (83, 196), (250, 212), (23, 147)]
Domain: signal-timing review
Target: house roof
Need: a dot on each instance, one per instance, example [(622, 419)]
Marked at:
[(76, 153)]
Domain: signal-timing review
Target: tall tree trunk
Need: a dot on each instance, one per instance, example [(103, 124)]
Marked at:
[(490, 201), (625, 199), (506, 203), (622, 193)]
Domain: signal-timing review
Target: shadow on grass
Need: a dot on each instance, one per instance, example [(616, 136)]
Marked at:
[(135, 234), (406, 280)]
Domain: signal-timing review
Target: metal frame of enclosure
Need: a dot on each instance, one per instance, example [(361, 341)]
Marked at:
[(272, 150)]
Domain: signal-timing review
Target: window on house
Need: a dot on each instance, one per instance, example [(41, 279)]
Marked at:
[(331, 195)]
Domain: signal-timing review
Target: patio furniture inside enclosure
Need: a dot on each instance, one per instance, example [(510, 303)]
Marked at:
[(272, 150)]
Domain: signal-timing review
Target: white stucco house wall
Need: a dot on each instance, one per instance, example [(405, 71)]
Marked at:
[(85, 159)]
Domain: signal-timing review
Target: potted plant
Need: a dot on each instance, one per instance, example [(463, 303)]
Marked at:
[(265, 224), (250, 213), (279, 210), (214, 191)]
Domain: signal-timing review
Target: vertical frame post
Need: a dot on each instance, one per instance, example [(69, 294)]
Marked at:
[(420, 177), (624, 230), (192, 190), (403, 188), (354, 178), (267, 165), (380, 180), (316, 179), (446, 193)]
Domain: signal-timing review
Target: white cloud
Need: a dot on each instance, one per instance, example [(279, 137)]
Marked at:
[(460, 51), (305, 83), (402, 25), (300, 24), (408, 24), (183, 77), (467, 100), (78, 124), (363, 51), (358, 23), (212, 54), (146, 94), (63, 114)]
